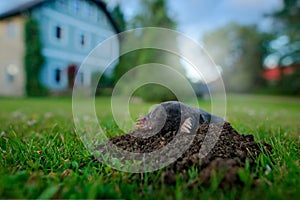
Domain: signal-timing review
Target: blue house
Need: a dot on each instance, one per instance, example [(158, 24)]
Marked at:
[(69, 30)]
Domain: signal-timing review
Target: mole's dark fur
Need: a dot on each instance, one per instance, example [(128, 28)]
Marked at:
[(171, 115)]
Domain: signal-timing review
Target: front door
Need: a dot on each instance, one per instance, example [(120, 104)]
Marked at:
[(72, 70)]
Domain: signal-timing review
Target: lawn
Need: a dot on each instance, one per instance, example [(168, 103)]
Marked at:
[(42, 157)]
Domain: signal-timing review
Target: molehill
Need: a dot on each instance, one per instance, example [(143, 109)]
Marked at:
[(229, 153)]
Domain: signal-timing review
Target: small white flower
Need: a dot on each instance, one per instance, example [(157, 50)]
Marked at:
[(268, 169), (31, 122), (2, 134)]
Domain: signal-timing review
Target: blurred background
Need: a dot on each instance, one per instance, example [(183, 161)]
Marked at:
[(255, 44)]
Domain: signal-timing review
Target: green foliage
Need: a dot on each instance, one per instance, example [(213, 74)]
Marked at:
[(42, 157), (103, 86), (33, 59), (153, 14), (119, 18), (239, 50), (154, 93), (289, 20), (290, 84)]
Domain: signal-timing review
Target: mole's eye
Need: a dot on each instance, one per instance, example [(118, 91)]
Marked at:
[(159, 112)]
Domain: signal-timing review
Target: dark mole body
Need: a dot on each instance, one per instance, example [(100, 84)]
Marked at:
[(171, 115)]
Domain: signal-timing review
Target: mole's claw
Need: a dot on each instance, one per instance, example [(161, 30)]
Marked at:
[(186, 126), (188, 123), (141, 123)]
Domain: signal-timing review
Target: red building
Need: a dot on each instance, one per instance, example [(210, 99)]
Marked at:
[(276, 73)]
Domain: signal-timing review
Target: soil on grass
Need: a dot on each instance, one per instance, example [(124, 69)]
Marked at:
[(229, 153)]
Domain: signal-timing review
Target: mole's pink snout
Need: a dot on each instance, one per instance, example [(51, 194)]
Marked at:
[(142, 123)]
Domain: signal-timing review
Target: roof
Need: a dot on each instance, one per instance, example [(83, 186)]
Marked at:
[(30, 4)]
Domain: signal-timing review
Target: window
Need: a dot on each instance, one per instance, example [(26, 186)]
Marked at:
[(11, 30), (89, 10), (76, 6), (11, 72), (62, 3), (81, 78), (57, 75), (101, 18), (58, 32), (9, 78), (82, 39), (104, 21)]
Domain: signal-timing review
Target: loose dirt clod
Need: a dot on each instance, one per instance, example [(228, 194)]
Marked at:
[(229, 153)]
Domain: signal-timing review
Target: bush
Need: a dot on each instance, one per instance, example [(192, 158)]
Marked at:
[(33, 60), (155, 93), (290, 84)]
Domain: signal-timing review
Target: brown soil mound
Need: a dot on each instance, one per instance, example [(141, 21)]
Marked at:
[(229, 153)]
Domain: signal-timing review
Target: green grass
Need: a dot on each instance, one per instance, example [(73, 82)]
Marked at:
[(42, 157)]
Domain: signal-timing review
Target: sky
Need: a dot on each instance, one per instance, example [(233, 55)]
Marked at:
[(195, 17), (4, 4)]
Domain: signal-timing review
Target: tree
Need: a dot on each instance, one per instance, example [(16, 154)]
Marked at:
[(119, 18), (103, 85), (287, 27), (289, 18), (33, 59), (239, 50), (153, 14)]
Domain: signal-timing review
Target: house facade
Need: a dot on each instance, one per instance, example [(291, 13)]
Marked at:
[(69, 31), (12, 77)]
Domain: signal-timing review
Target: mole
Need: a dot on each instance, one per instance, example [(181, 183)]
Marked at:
[(174, 116)]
